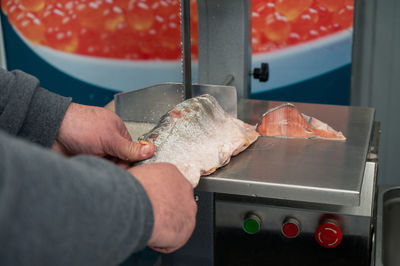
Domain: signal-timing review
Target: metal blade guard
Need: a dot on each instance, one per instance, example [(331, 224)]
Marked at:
[(147, 105)]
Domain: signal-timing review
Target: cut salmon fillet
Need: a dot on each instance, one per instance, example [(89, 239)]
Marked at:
[(286, 121)]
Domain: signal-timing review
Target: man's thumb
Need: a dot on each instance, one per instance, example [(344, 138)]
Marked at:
[(132, 151)]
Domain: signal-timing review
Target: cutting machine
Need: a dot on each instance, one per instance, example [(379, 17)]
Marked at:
[(282, 201)]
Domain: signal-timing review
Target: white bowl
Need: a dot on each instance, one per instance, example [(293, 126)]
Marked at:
[(116, 74), (304, 61), (287, 66)]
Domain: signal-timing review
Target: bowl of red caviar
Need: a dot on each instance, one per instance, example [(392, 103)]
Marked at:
[(127, 44), (300, 39)]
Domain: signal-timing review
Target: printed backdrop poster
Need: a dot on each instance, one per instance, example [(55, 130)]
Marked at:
[(307, 44), (90, 49)]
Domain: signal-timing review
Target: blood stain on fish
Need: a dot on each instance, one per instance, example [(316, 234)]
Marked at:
[(175, 113)]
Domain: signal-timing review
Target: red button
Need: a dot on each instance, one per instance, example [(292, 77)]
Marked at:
[(328, 235), (291, 228)]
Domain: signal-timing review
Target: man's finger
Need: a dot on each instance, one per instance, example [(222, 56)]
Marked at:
[(60, 149), (127, 150), (164, 250)]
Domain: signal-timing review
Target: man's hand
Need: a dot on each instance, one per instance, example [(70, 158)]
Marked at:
[(172, 199), (97, 131)]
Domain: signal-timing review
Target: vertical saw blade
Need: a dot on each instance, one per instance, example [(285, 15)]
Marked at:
[(186, 53)]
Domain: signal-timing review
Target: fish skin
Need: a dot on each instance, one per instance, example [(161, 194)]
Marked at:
[(198, 136), (286, 121)]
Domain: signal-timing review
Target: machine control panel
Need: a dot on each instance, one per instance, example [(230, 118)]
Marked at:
[(269, 232), (328, 233)]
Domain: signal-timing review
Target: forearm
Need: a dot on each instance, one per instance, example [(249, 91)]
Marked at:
[(58, 211), (29, 111)]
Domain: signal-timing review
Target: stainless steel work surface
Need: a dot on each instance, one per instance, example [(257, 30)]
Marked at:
[(310, 170)]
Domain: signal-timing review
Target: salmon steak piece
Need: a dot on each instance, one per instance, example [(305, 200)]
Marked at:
[(286, 121), (198, 136)]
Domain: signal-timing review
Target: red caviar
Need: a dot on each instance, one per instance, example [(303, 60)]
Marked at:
[(291, 9), (150, 29), (277, 27), (332, 5), (33, 5)]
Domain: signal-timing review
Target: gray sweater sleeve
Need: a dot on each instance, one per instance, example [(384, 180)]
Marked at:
[(60, 211), (29, 111)]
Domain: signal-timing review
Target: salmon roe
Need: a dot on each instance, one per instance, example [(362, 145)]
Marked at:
[(150, 29)]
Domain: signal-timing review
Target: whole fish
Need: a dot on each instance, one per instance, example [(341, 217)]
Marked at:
[(286, 121), (198, 136)]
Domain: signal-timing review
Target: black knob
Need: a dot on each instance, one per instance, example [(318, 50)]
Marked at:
[(262, 74)]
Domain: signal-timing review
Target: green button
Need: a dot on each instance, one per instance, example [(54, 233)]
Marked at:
[(251, 224)]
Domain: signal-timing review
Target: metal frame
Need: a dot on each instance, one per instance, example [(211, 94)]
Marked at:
[(225, 43), (3, 62)]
